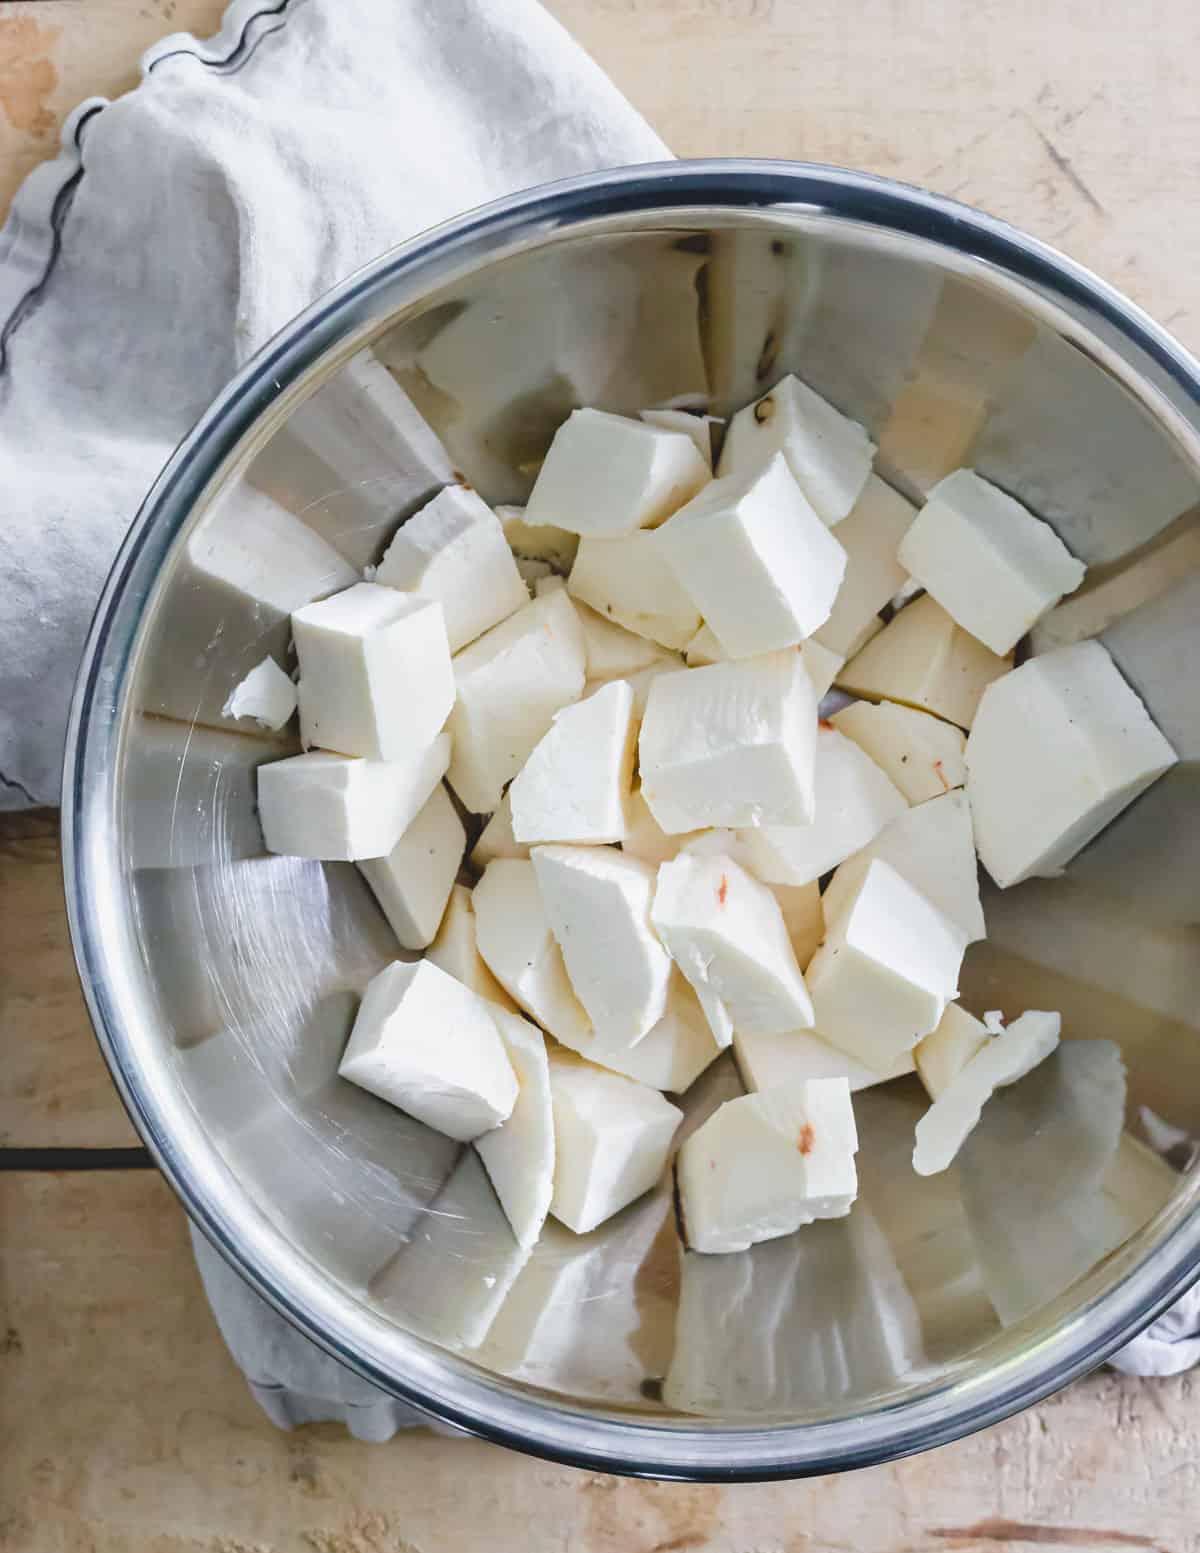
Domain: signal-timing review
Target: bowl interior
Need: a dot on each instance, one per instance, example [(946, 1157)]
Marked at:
[(244, 968)]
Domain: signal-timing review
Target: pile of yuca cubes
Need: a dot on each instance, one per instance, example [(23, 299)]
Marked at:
[(665, 801)]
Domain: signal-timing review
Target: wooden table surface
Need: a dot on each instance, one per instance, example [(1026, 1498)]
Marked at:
[(123, 1423)]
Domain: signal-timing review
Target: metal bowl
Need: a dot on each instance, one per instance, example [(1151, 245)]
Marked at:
[(222, 980)]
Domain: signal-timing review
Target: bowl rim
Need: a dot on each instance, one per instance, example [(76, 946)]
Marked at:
[(434, 1382)]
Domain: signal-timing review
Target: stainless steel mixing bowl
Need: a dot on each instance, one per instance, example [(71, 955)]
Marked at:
[(222, 981)]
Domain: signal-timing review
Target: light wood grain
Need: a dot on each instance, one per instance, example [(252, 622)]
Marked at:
[(55, 1091), (124, 1426)]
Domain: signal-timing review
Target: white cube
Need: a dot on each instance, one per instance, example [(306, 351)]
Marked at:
[(375, 675), (496, 839), (990, 564), (454, 550), (697, 427), (510, 684), (426, 1043), (612, 1138), (455, 950), (540, 542), (1002, 1060), (933, 847), (612, 652), (923, 659), (412, 883), (597, 902), (760, 565), (887, 969), (821, 665), (578, 780), (762, 1166), (829, 454), (768, 1061), (518, 947), (628, 580), (944, 1053), (267, 694), (1059, 747), (853, 802), (338, 807), (726, 933), (871, 537), (731, 744), (672, 1055), (519, 1154), (645, 837), (605, 475), (921, 754)]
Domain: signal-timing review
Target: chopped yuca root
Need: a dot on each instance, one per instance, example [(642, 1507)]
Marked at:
[(658, 827)]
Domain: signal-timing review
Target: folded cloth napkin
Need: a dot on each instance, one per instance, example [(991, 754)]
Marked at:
[(178, 229), (182, 225)]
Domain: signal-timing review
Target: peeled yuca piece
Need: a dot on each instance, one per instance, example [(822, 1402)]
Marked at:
[(412, 883), (455, 951), (496, 839), (597, 902), (672, 1056), (628, 580), (991, 564), (871, 537), (577, 783), (923, 659), (519, 1154), (921, 754), (605, 475), (726, 933), (509, 685), (731, 744), (854, 800), (758, 562), (612, 652), (1061, 746), (932, 846), (822, 664), (611, 1136), (887, 969), (767, 1163), (454, 550), (767, 1061), (828, 454), (944, 1053)]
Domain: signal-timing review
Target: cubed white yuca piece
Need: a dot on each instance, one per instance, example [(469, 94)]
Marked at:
[(375, 673), (944, 1053), (765, 1164), (612, 652), (496, 839), (829, 454), (455, 950), (769, 1061), (628, 580), (412, 883), (799, 905), (672, 1055), (697, 427), (871, 537), (597, 902), (519, 948), (425, 1043), (538, 541), (854, 801), (519, 1154), (267, 695), (605, 475), (510, 684), (645, 837), (339, 807), (1007, 1057), (454, 550), (921, 658), (1059, 747), (887, 969), (704, 649), (611, 1137), (726, 933), (821, 665), (732, 744), (576, 784), (921, 754), (992, 566), (933, 847), (758, 562)]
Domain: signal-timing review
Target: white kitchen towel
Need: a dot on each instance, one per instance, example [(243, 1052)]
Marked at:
[(183, 224)]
